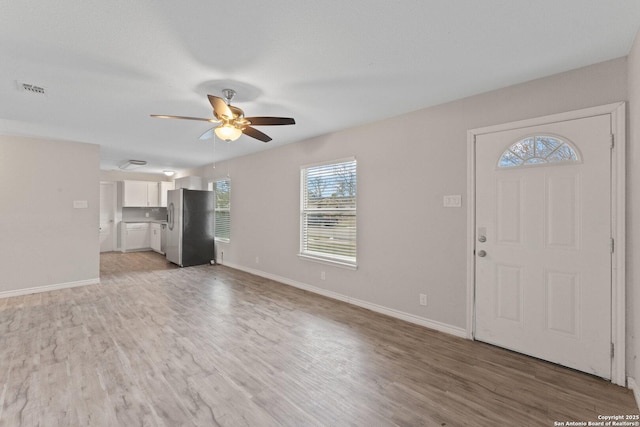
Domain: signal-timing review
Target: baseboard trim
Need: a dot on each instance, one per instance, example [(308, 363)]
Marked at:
[(47, 288), (631, 383), (407, 317)]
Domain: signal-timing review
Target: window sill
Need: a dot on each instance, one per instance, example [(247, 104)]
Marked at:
[(337, 263)]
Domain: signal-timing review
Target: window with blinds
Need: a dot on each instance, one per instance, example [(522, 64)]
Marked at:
[(328, 212), (222, 227)]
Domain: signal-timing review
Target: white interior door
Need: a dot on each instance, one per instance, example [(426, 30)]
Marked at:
[(107, 216), (543, 242)]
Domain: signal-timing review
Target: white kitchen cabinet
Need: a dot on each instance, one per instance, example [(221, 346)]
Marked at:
[(189, 182), (136, 236), (156, 237), (135, 193), (140, 194), (152, 194), (164, 187)]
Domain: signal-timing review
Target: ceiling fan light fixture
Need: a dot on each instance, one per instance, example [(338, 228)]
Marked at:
[(169, 173), (233, 122), (228, 132)]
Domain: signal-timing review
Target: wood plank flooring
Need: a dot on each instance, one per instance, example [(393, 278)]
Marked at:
[(155, 345)]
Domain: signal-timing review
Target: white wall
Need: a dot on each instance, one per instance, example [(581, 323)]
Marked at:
[(44, 240), (132, 176), (407, 242), (633, 213)]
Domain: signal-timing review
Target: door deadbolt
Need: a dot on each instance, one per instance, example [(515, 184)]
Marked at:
[(482, 239)]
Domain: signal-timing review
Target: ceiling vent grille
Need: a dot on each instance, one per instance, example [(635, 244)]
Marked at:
[(30, 88)]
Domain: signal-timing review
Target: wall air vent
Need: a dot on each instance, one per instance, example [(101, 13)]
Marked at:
[(30, 88)]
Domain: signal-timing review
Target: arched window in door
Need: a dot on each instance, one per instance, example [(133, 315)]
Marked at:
[(535, 150)]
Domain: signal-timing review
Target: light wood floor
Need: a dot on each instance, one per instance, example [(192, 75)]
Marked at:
[(211, 346)]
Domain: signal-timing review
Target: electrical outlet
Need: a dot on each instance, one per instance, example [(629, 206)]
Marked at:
[(257, 260), (423, 299), (322, 275)]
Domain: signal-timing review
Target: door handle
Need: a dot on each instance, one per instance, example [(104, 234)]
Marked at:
[(482, 239), (482, 254), (171, 214)]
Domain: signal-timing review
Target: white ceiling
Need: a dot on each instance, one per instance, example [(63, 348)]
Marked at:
[(331, 64)]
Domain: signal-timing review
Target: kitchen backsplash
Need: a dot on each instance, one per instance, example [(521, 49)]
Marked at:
[(130, 214)]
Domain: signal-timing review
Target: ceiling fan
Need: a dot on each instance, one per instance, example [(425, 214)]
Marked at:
[(232, 121)]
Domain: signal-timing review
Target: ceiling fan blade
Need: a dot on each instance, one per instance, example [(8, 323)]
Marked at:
[(220, 107), (255, 133), (270, 121), (208, 134), (160, 116)]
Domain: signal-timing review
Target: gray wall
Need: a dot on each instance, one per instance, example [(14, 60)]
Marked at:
[(633, 212), (44, 240), (407, 242)]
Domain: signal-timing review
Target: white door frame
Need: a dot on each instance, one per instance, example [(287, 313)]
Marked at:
[(618, 180), (113, 207)]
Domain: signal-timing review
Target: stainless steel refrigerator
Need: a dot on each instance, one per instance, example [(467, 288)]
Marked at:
[(190, 224)]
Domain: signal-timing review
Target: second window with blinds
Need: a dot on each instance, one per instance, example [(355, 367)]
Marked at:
[(222, 227), (328, 212)]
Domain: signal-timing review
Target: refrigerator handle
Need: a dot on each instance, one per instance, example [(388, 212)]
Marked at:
[(171, 216)]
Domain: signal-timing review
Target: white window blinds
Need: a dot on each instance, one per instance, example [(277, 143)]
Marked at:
[(328, 212), (222, 227)]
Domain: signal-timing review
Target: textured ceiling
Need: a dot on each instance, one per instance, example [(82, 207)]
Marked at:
[(107, 65)]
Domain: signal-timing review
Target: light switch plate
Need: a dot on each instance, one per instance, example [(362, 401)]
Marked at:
[(80, 204), (452, 201)]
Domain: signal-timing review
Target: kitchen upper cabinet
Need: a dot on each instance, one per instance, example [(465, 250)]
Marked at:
[(189, 183), (152, 194), (137, 194), (164, 187)]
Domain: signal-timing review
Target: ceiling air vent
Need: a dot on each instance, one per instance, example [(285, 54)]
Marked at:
[(30, 88)]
